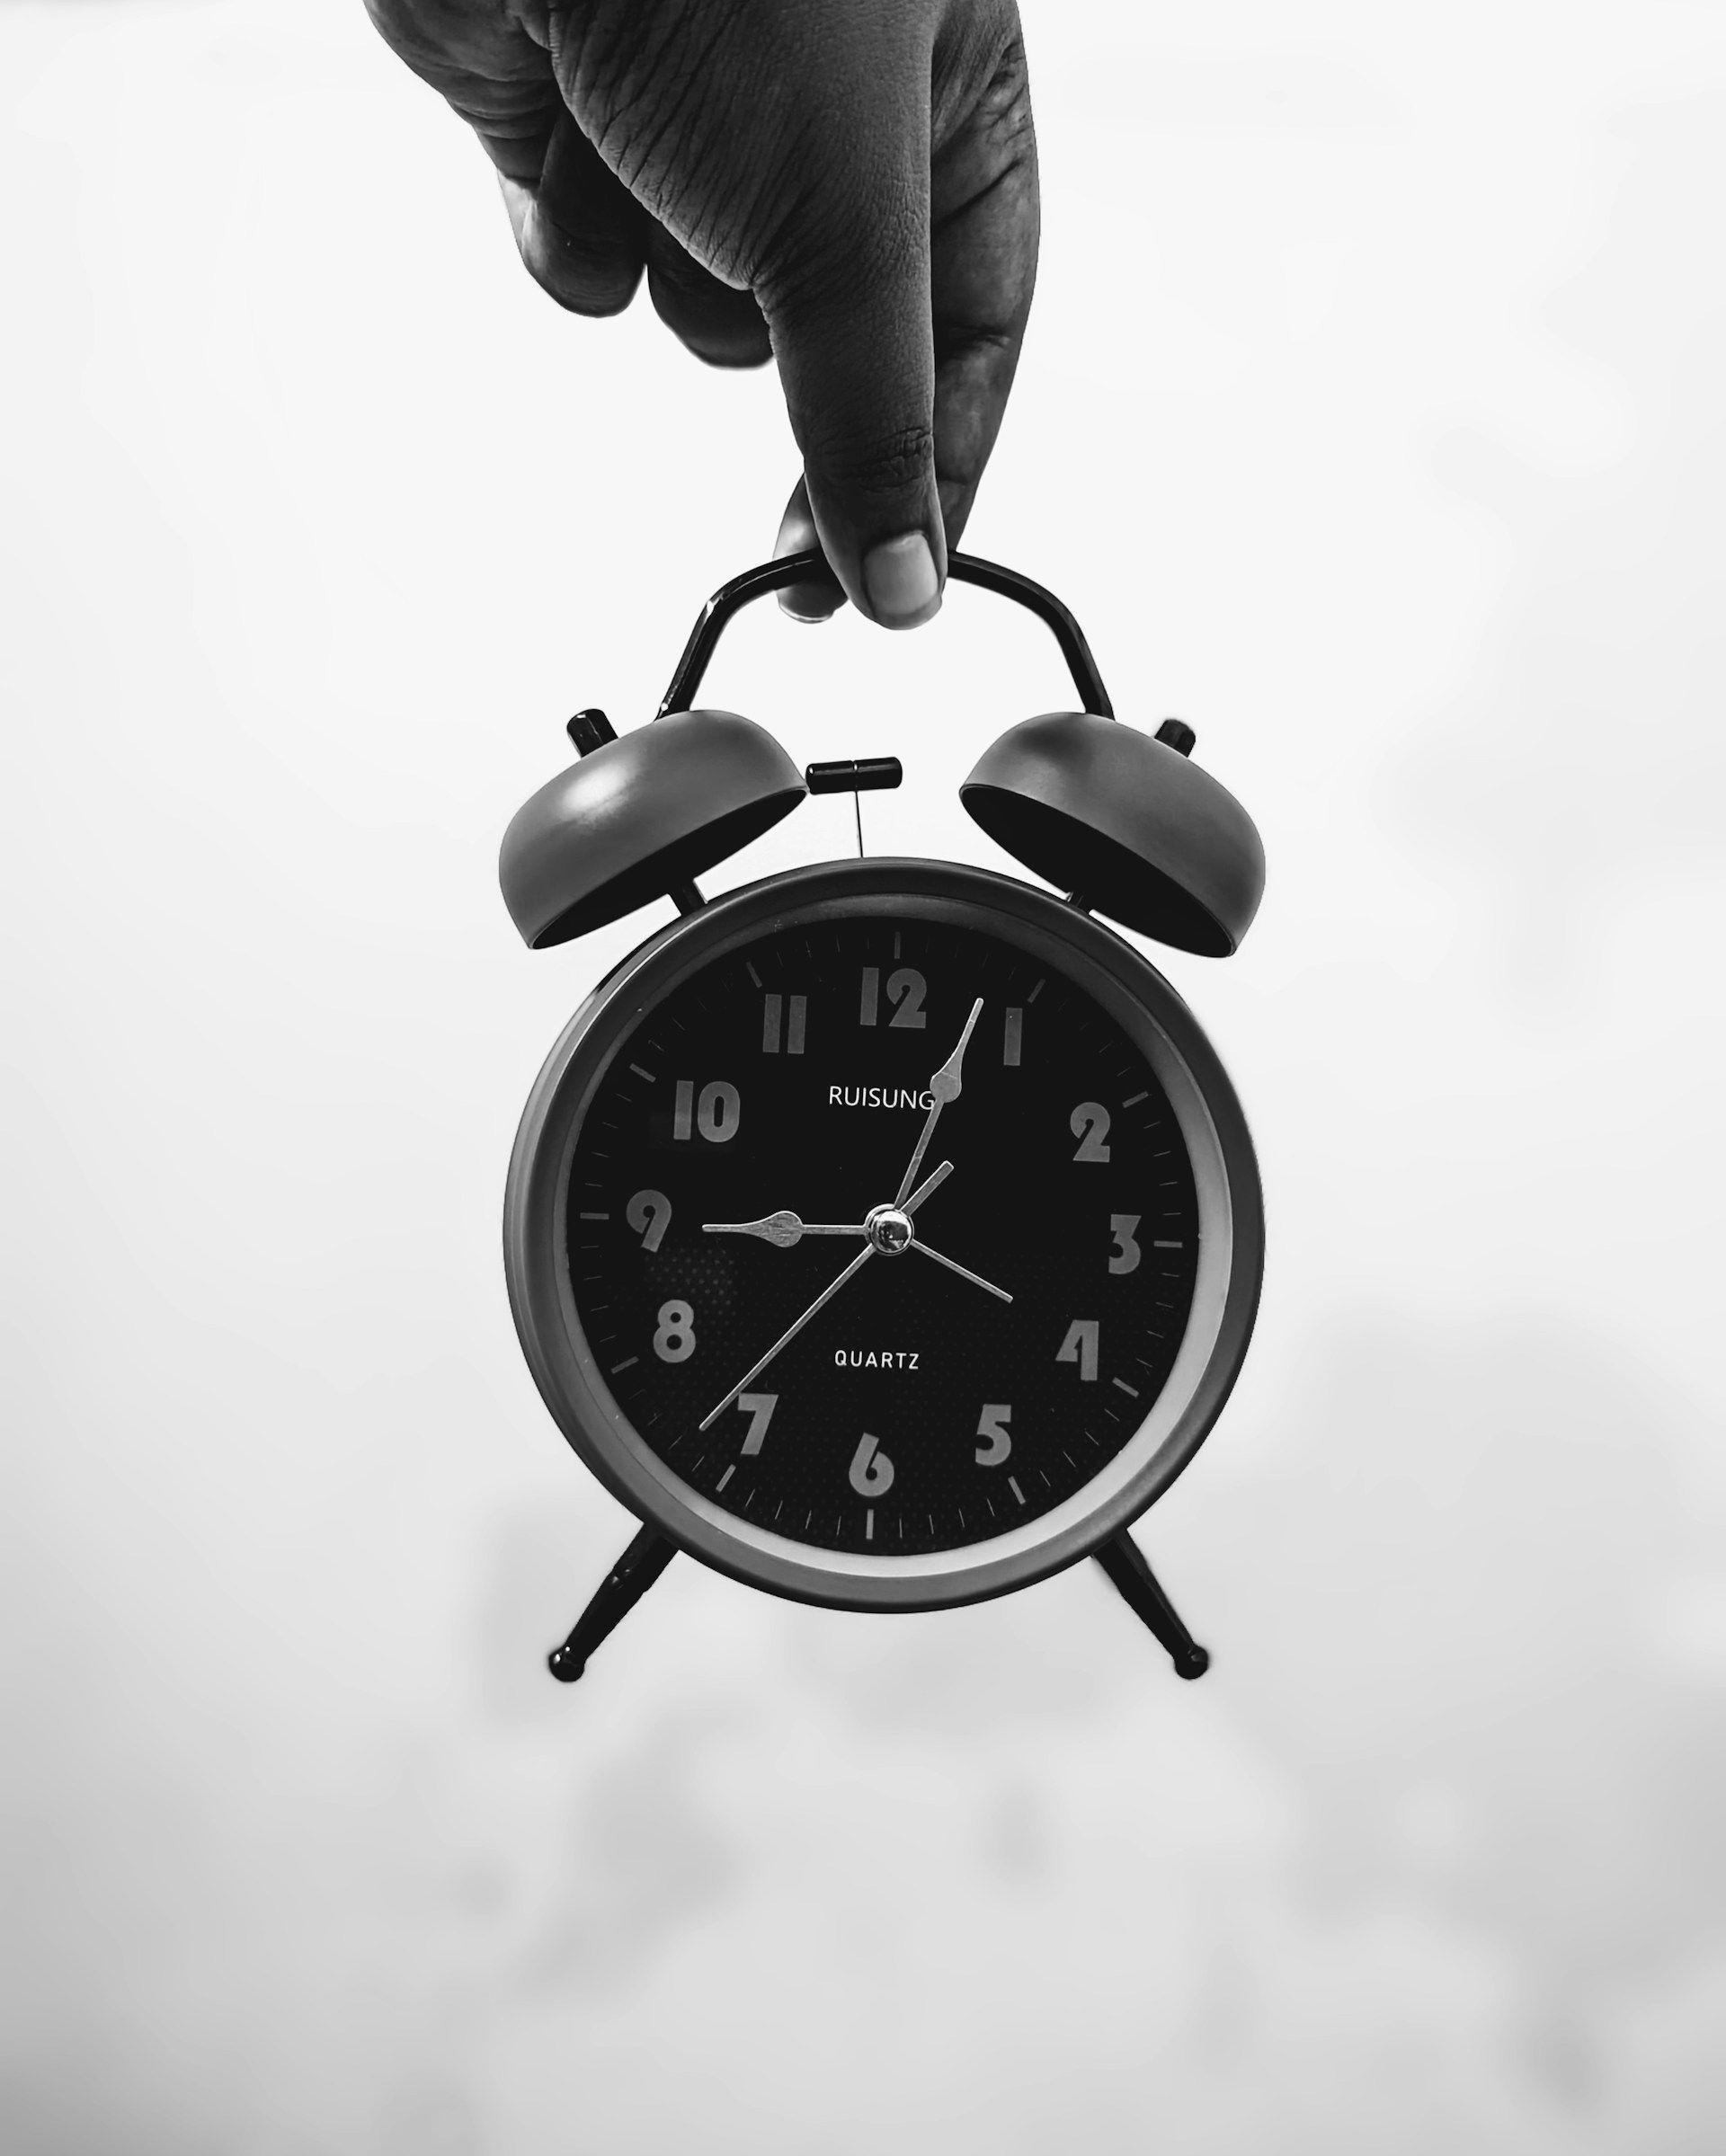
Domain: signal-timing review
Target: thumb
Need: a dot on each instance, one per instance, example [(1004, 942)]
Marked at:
[(851, 332)]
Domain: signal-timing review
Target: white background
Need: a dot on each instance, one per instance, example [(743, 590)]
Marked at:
[(1371, 420)]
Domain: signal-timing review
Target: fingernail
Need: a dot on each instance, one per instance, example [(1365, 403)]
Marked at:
[(814, 608), (899, 578)]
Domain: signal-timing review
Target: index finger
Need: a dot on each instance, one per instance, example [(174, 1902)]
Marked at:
[(984, 222)]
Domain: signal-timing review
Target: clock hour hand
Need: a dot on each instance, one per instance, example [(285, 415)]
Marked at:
[(946, 1085), (964, 1272), (784, 1231), (785, 1338)]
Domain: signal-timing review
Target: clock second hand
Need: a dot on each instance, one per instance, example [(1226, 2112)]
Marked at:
[(946, 1085), (931, 1182), (826, 1296)]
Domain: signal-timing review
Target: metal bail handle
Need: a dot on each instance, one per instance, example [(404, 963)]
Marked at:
[(811, 567)]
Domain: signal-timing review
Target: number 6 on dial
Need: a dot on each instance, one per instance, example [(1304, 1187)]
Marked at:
[(871, 1470)]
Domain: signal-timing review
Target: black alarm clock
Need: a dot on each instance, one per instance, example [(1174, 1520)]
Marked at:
[(885, 1234)]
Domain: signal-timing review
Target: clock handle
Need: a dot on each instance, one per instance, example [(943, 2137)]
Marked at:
[(811, 567), (1124, 1562), (622, 1588)]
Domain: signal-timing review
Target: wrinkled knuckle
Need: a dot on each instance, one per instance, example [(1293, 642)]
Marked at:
[(885, 466), (1003, 112)]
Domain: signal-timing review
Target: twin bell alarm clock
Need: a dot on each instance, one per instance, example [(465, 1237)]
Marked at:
[(887, 1233)]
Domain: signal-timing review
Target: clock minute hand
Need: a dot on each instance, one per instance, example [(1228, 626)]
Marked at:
[(946, 1085), (784, 1339)]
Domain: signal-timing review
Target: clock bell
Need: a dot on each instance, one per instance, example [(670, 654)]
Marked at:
[(1123, 819)]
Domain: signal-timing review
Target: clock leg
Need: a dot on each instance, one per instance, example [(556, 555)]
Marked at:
[(623, 1587), (1124, 1562)]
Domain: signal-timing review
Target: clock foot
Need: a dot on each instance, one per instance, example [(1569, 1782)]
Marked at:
[(1124, 1562), (623, 1587)]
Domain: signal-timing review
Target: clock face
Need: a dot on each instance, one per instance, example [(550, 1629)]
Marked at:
[(882, 1233)]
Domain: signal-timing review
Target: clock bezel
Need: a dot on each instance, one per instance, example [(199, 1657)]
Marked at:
[(1225, 1176)]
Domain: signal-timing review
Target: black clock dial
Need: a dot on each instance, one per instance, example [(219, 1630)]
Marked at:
[(785, 1088)]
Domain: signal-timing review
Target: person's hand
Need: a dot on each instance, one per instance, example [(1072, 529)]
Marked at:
[(848, 186)]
